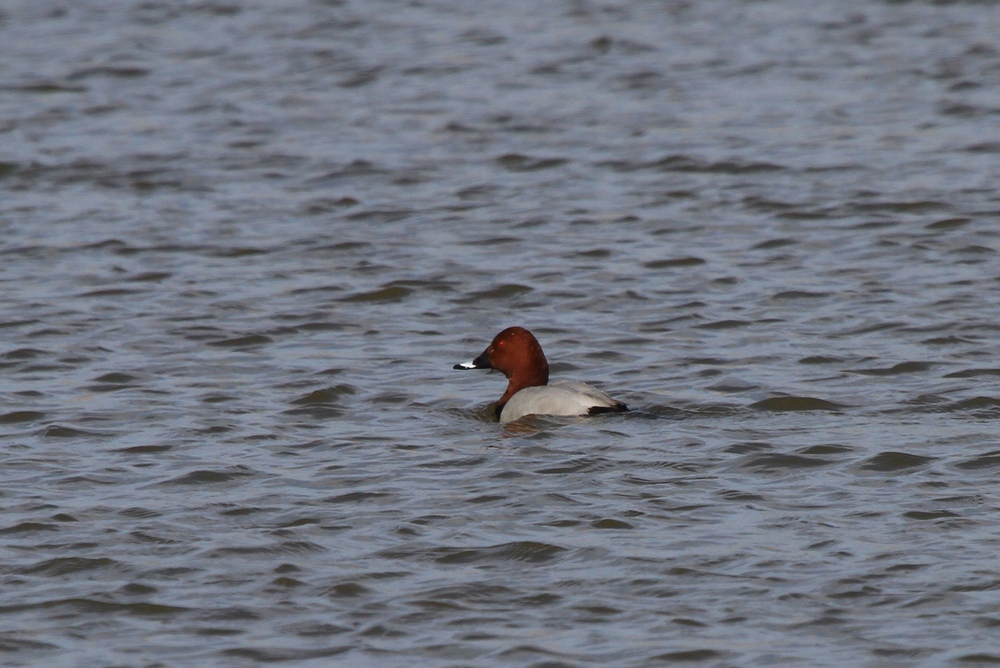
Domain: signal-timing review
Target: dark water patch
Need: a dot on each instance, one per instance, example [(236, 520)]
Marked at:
[(950, 341), (361, 77), (284, 655), (798, 294), (473, 592), (450, 463), (739, 496), (146, 449), (70, 565), (229, 614), (242, 341), (590, 254), (977, 250), (530, 552), (111, 382), (501, 292), (987, 405), (478, 192), (978, 658), (322, 327), (689, 656), (198, 332), (807, 214), (143, 537), (219, 398), (689, 261), (347, 590), (139, 512), (59, 431), (820, 450), (820, 359), (897, 207), (111, 244), (217, 632), (890, 461), (209, 477), (318, 411), (82, 172), (779, 462), (11, 645), (286, 548), (44, 88), (974, 373), (376, 216), (313, 289), (989, 584), (868, 329), (781, 404), (923, 515), (520, 654), (354, 170), (772, 244), (983, 147), (7, 168), (437, 284), (349, 248), (24, 354), (150, 276), (488, 498), (237, 251), (489, 242), (386, 294), (329, 395), (242, 511), (901, 368), (356, 497), (578, 466), (664, 411), (924, 402), (109, 292), (724, 324), (516, 162), (36, 252), (324, 205), (987, 460), (44, 368), (28, 527), (17, 417), (316, 629), (962, 109), (685, 163), (392, 398), (645, 80), (115, 72), (948, 224), (80, 605)]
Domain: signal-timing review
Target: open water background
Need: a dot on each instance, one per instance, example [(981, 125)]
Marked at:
[(243, 242)]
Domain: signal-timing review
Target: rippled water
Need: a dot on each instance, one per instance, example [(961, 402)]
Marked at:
[(243, 243)]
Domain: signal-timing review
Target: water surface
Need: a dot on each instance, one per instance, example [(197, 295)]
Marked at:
[(243, 243)]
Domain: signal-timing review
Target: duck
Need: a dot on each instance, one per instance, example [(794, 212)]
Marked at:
[(516, 353)]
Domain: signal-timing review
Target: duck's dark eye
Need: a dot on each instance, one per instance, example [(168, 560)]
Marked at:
[(499, 344)]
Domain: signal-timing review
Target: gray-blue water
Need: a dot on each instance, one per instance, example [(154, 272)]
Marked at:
[(242, 243)]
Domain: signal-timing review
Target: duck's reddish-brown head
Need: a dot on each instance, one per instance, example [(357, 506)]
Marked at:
[(516, 353)]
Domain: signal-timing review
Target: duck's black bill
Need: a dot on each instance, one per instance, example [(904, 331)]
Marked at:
[(481, 362)]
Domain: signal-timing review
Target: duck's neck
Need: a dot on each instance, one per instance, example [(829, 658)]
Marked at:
[(519, 381)]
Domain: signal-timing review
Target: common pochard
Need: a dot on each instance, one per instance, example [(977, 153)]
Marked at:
[(515, 352)]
